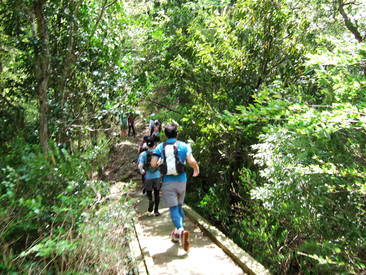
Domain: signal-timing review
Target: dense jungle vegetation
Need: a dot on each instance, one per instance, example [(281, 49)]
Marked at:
[(270, 93)]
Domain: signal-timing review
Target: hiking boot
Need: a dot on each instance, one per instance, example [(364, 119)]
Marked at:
[(157, 214), (175, 236), (151, 206), (186, 245)]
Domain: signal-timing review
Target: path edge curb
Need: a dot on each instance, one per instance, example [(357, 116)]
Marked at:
[(246, 262), (144, 262)]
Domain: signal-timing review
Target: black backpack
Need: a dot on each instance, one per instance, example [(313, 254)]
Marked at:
[(147, 166)]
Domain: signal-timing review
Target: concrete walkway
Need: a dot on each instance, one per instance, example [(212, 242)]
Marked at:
[(162, 256), (152, 251)]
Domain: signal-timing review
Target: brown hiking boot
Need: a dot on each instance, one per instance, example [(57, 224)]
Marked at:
[(185, 240)]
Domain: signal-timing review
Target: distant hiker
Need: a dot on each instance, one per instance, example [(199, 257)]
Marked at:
[(156, 138), (151, 123), (142, 148), (142, 145), (156, 128), (172, 156), (152, 175), (131, 124), (123, 124)]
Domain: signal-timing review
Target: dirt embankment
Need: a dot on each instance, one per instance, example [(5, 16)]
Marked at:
[(122, 159)]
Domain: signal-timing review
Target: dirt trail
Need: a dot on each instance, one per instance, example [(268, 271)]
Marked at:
[(161, 256), (122, 163)]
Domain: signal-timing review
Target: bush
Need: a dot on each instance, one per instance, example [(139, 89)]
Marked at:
[(50, 209)]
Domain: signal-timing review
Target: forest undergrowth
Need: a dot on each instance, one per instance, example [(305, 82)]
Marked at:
[(83, 224), (270, 94)]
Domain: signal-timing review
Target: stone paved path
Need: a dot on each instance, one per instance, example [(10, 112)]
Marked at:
[(166, 257)]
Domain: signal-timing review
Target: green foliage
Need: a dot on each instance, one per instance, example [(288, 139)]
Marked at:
[(304, 126), (315, 171), (270, 94), (86, 87), (44, 196), (44, 202), (312, 163)]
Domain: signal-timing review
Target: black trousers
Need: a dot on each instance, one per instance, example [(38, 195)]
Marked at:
[(156, 198), (133, 130)]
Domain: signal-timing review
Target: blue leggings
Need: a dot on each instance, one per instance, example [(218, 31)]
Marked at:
[(177, 215)]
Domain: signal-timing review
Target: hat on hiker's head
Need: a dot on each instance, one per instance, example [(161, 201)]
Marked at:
[(145, 138), (150, 142), (156, 121)]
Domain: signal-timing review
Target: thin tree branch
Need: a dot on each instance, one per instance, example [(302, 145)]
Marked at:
[(97, 21), (69, 55), (162, 105)]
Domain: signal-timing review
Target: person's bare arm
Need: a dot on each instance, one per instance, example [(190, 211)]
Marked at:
[(141, 168), (193, 163)]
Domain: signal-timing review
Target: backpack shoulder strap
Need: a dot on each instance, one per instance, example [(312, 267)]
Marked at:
[(149, 155), (164, 145), (145, 160), (175, 146)]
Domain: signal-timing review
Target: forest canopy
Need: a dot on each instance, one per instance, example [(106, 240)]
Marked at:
[(270, 93)]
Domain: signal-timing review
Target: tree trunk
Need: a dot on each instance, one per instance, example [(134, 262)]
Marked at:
[(348, 23), (42, 72)]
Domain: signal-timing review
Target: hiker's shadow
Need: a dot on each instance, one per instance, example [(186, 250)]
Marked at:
[(171, 254)]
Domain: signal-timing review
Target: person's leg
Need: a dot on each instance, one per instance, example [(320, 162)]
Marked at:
[(123, 131), (157, 201), (184, 234), (151, 202), (173, 196), (175, 216), (149, 195), (181, 212), (148, 184), (143, 187), (133, 130), (179, 233), (176, 219)]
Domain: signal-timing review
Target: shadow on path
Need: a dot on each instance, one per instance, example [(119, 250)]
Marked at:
[(161, 256), (204, 257)]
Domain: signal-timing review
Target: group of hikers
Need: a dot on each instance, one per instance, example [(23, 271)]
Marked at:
[(128, 122), (162, 166)]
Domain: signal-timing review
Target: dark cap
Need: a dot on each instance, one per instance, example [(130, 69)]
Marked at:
[(150, 142)]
